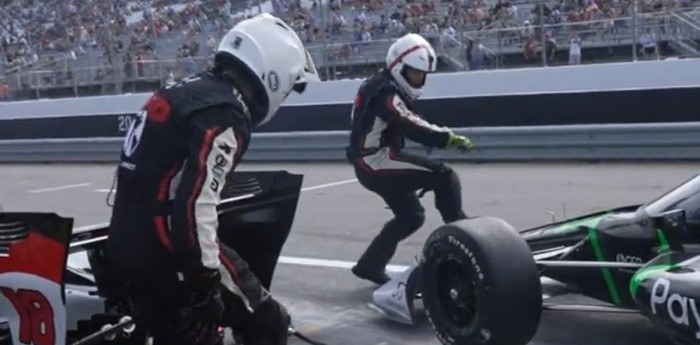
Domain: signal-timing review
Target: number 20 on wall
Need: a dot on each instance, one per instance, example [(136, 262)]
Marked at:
[(36, 316)]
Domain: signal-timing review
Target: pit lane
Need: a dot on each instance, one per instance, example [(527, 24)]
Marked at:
[(335, 221)]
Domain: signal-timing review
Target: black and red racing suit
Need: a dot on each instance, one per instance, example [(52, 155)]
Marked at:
[(163, 233), (381, 120)]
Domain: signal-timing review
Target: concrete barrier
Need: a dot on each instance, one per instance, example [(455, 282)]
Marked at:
[(664, 141)]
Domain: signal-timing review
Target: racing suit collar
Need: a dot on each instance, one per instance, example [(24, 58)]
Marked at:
[(257, 108), (387, 74), (253, 110)]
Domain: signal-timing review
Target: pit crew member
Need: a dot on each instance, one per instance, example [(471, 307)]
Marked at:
[(187, 138), (383, 116)]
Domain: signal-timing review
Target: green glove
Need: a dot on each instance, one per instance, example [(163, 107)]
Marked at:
[(460, 142)]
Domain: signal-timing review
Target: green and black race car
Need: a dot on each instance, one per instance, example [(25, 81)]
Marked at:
[(483, 282)]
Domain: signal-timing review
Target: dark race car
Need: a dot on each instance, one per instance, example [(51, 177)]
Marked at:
[(56, 287), (483, 282)]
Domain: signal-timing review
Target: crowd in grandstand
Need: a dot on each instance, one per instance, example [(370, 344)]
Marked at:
[(53, 34)]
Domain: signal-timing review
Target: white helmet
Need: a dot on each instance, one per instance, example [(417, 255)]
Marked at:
[(275, 56), (411, 51)]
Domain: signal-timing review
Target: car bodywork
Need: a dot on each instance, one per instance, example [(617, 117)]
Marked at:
[(56, 285), (640, 258)]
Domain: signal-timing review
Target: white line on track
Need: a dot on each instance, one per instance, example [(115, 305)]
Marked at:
[(80, 259), (53, 189), (326, 185), (291, 260), (305, 189)]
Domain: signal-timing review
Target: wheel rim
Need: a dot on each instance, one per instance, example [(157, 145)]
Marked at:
[(457, 293)]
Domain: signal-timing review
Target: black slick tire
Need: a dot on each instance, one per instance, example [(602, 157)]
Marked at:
[(480, 284)]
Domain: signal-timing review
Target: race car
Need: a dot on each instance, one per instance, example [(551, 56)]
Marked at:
[(483, 282), (56, 287)]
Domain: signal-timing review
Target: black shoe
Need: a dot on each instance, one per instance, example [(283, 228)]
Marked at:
[(375, 276)]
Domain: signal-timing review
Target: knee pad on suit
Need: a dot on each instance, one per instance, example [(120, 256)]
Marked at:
[(448, 195), (447, 180), (408, 224)]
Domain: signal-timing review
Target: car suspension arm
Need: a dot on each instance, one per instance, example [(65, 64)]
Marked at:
[(295, 333), (590, 308), (588, 264), (126, 325)]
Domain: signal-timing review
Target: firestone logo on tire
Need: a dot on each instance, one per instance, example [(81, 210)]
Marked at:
[(469, 254)]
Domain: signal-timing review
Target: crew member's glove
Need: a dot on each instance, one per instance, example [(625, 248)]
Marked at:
[(269, 325), (206, 305), (459, 142)]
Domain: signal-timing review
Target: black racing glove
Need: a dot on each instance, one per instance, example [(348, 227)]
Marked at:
[(205, 304), (203, 308), (269, 325)]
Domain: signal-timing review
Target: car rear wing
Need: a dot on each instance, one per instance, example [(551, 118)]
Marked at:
[(33, 254)]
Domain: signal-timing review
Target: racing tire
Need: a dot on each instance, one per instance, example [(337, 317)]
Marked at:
[(480, 284)]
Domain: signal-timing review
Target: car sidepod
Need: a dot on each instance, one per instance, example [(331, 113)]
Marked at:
[(667, 291)]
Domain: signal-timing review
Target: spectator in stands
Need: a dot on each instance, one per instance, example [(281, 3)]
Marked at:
[(575, 49), (5, 93), (477, 54), (211, 45), (530, 49), (432, 32), (648, 42), (337, 22), (449, 35), (550, 46), (528, 31)]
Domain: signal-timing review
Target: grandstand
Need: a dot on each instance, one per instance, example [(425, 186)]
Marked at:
[(68, 48)]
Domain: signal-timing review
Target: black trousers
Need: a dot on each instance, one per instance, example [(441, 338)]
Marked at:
[(396, 177), (161, 300)]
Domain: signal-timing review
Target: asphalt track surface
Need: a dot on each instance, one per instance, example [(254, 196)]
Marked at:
[(336, 219)]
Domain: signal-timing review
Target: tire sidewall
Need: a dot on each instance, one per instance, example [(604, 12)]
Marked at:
[(447, 241)]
